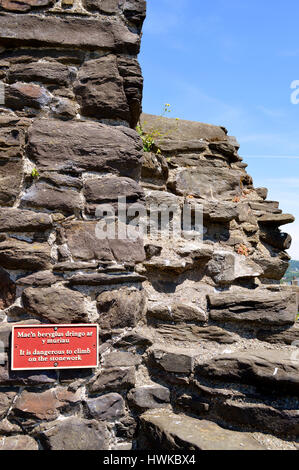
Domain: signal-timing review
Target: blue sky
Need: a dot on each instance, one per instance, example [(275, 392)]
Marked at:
[(231, 63)]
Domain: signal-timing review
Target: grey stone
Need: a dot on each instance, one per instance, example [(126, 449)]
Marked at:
[(121, 359), (92, 33), (55, 304), (180, 134), (286, 335), (257, 307), (73, 433), (18, 442), (51, 73), (11, 176), (225, 149), (105, 279), (259, 417), (273, 266), (99, 90), (176, 312), (265, 369), (149, 397), (206, 181), (120, 308), (276, 238), (6, 399), (113, 380), (225, 267), (154, 168), (16, 254), (84, 244), (134, 339), (40, 279), (276, 219), (174, 360), (262, 192), (110, 189), (195, 334), (42, 195), (106, 407), (219, 212), (75, 147), (18, 220), (166, 430)]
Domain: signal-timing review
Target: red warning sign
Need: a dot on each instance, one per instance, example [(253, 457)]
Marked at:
[(54, 347)]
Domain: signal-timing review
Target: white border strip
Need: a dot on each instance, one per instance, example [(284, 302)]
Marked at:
[(58, 325)]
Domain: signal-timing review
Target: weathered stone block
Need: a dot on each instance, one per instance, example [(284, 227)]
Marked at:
[(11, 177), (102, 190), (84, 244), (100, 91), (121, 308), (113, 380), (21, 95), (173, 360), (276, 220), (265, 369), (203, 181), (226, 267), (276, 238), (259, 417), (256, 307), (50, 73), (12, 136), (284, 335), (55, 304), (176, 312), (40, 279), (106, 407), (166, 430), (6, 399), (72, 433), (44, 406), (195, 334), (18, 220), (105, 279), (25, 378), (79, 146), (16, 254), (18, 442), (23, 5), (121, 359), (92, 33), (149, 397), (43, 196)]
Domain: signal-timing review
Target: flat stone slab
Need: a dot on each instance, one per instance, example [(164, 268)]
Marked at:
[(19, 442), (272, 369), (182, 130), (166, 430), (72, 32), (260, 307)]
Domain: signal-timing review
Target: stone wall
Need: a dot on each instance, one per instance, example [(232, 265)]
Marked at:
[(193, 333)]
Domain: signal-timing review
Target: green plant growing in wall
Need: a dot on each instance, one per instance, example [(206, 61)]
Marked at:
[(149, 138), (35, 174)]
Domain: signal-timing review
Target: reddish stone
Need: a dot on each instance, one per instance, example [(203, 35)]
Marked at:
[(23, 5)]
